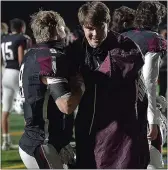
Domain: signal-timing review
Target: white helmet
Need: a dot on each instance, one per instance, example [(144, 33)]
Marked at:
[(161, 107), (161, 103), (163, 128)]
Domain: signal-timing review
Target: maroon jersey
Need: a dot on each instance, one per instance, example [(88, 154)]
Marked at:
[(46, 59), (147, 40)]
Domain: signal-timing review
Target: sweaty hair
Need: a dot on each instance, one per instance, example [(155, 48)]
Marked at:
[(121, 16), (4, 28), (46, 25), (149, 14), (93, 13), (16, 25)]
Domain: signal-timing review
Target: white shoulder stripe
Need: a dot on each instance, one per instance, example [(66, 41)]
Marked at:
[(51, 80)]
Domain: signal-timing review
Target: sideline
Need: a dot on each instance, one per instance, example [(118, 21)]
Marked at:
[(16, 133)]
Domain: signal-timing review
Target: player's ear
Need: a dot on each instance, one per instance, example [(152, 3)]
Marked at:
[(60, 32), (23, 29)]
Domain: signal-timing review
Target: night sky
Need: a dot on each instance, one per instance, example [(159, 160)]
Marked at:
[(67, 9)]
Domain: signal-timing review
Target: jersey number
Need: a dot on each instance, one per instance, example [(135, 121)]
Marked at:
[(21, 81), (7, 53)]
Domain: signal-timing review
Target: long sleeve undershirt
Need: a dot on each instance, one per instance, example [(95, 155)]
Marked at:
[(150, 72)]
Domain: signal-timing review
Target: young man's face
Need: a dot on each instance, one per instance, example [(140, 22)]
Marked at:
[(95, 35)]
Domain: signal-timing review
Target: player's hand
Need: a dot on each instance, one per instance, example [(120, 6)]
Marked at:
[(69, 39), (153, 132), (67, 154)]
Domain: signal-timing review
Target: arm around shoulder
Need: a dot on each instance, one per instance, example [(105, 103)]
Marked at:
[(67, 95)]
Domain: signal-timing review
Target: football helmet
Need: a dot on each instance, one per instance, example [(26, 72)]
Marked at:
[(161, 107), (18, 104)]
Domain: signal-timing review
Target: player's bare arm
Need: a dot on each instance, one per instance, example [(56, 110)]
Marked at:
[(66, 99), (20, 54)]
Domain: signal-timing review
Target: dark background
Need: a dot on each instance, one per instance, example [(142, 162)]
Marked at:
[(67, 9)]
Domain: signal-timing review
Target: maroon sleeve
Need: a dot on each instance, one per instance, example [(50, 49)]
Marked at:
[(127, 57), (157, 44), (53, 66), (45, 64)]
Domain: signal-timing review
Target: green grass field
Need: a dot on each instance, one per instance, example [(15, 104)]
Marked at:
[(11, 159)]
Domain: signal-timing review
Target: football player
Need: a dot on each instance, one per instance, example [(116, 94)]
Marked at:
[(163, 65), (51, 92), (12, 52), (4, 32), (144, 34)]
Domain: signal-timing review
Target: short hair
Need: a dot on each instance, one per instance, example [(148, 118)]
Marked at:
[(4, 28), (149, 14), (16, 24), (162, 11), (93, 13), (120, 16), (45, 25)]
